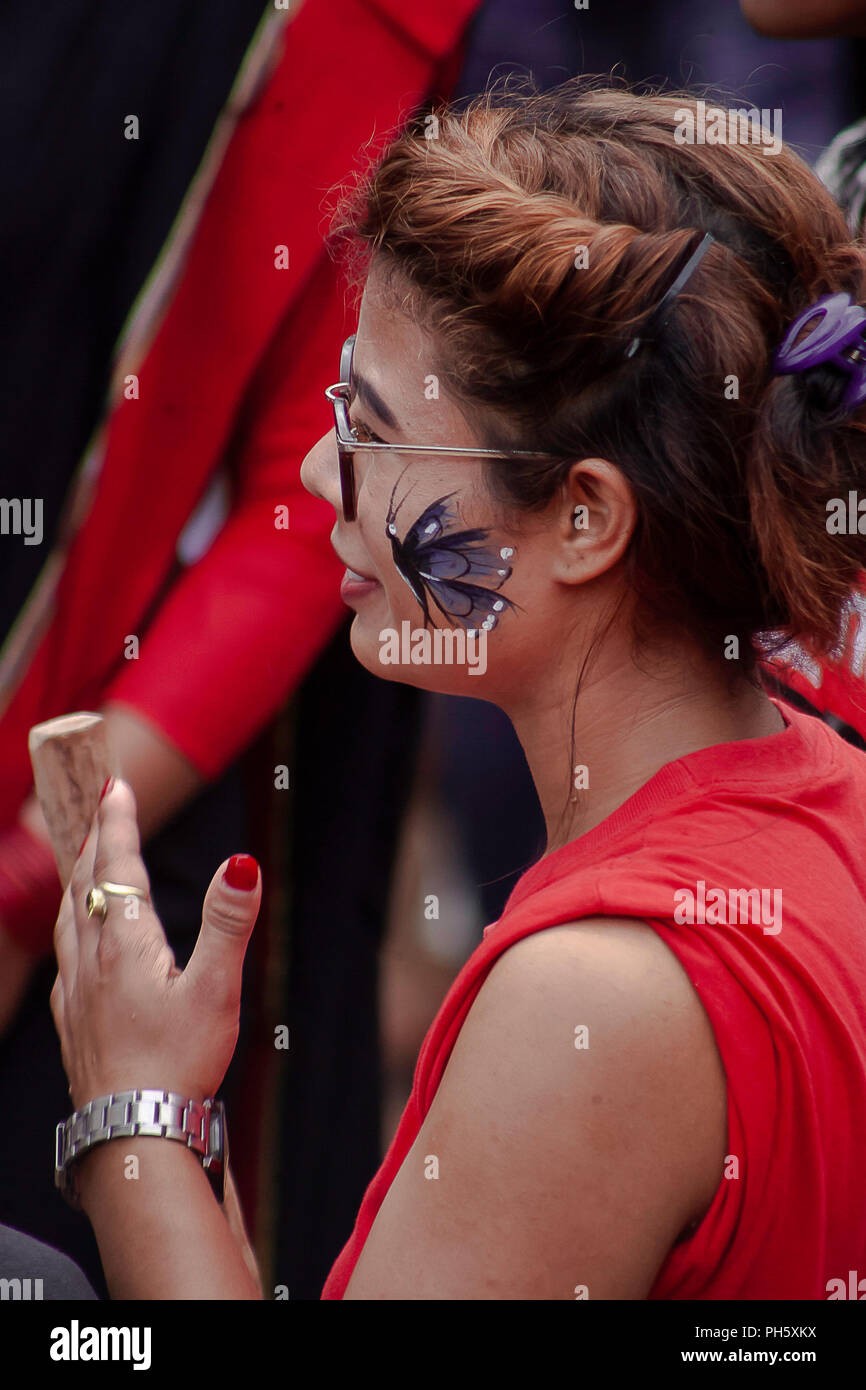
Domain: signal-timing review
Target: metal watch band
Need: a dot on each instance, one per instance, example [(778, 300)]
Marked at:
[(200, 1125)]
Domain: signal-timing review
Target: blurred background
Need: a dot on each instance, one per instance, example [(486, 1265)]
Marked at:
[(170, 319)]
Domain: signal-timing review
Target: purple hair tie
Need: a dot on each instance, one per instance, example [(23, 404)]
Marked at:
[(841, 328)]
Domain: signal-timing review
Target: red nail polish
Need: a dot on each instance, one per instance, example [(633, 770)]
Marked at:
[(107, 788), (83, 843), (242, 872)]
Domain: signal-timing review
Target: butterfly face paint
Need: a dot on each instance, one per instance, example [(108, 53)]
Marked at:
[(441, 565)]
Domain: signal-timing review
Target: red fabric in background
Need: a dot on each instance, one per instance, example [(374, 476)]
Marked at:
[(835, 686), (788, 1009)]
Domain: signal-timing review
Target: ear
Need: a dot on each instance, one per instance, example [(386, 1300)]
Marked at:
[(597, 521)]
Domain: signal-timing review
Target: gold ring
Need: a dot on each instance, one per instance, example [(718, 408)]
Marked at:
[(97, 898)]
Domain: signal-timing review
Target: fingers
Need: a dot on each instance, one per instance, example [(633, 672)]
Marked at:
[(66, 936), (228, 917), (118, 846), (117, 859), (66, 928), (57, 1003)]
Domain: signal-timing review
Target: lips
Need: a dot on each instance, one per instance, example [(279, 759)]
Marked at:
[(356, 586)]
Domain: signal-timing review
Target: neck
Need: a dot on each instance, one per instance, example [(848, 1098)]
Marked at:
[(628, 723)]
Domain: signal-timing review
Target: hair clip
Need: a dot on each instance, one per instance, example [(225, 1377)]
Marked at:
[(657, 317), (839, 333)]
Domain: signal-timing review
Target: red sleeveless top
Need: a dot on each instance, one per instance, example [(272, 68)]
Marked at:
[(781, 974)]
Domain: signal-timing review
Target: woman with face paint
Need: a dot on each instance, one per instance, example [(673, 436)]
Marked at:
[(606, 377)]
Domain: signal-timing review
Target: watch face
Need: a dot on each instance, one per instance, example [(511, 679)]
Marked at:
[(217, 1133)]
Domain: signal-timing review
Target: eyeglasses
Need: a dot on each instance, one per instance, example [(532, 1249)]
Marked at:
[(348, 443)]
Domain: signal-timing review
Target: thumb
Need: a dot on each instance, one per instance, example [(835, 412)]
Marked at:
[(228, 916)]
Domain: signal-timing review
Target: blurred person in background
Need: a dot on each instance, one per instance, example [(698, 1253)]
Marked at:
[(173, 308)]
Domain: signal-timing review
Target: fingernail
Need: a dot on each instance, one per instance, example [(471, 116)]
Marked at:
[(83, 843), (109, 783), (242, 872)]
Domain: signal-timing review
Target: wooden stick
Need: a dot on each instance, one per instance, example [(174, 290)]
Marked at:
[(71, 762)]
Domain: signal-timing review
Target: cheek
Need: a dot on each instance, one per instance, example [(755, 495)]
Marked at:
[(388, 606), (470, 664), (395, 596)]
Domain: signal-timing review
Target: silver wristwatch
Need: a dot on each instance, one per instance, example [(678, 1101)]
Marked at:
[(128, 1114)]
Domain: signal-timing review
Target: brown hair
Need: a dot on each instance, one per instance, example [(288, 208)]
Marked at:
[(485, 222)]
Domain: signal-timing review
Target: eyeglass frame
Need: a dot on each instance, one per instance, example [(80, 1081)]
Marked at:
[(348, 444)]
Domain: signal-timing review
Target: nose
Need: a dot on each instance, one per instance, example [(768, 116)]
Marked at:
[(319, 471)]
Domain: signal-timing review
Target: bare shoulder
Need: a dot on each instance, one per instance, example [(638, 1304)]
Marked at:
[(648, 1061), (578, 1129), (608, 1013), (618, 968)]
